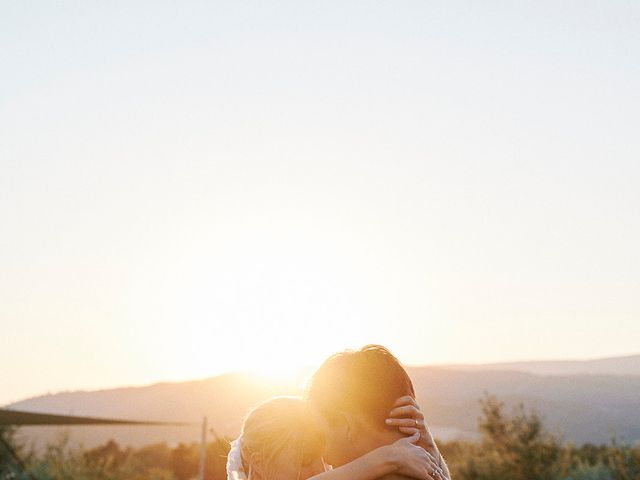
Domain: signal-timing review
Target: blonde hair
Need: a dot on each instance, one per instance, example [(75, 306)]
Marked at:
[(280, 430)]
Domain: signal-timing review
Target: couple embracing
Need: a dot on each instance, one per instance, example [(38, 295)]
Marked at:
[(359, 420)]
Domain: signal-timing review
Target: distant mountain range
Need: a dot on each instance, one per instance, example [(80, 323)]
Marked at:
[(586, 401), (629, 365)]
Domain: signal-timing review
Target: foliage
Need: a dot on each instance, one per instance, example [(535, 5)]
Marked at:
[(515, 446), (60, 461), (12, 455), (512, 446)]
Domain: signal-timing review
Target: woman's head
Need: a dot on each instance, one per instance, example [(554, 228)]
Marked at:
[(281, 440)]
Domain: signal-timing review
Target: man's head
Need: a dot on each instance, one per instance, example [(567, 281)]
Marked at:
[(354, 391)]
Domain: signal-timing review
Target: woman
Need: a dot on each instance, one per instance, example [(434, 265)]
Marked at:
[(281, 440)]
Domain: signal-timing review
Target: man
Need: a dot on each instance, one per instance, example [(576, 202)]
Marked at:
[(355, 392)]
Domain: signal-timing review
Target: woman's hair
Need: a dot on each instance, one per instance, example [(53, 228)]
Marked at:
[(280, 431)]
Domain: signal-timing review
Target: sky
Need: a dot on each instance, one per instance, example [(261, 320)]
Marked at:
[(190, 188)]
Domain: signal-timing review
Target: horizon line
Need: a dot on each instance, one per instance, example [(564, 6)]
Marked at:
[(301, 372)]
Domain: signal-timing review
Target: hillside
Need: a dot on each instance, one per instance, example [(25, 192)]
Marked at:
[(627, 365), (586, 408)]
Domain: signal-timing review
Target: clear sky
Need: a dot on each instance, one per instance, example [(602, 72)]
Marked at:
[(188, 188)]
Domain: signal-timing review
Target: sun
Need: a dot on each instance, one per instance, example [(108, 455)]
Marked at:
[(278, 371)]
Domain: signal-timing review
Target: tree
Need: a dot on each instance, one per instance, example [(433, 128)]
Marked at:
[(513, 447)]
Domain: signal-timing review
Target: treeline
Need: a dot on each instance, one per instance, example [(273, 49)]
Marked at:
[(513, 446), (60, 461)]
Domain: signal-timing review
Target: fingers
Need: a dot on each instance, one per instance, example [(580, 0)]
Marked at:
[(410, 411), (406, 400), (425, 471), (436, 475), (435, 471), (404, 422), (406, 411), (408, 426), (408, 430), (411, 439), (420, 463), (439, 474), (432, 458), (432, 465)]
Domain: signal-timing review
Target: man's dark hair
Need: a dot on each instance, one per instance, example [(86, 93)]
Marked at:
[(367, 381)]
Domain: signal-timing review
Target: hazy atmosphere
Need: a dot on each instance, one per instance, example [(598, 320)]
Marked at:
[(184, 189)]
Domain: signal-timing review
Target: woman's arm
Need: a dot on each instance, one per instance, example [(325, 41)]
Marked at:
[(400, 457), (410, 420)]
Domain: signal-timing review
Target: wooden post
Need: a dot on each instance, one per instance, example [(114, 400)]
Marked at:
[(203, 449)]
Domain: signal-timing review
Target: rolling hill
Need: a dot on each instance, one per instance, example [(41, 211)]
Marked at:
[(627, 365), (583, 407)]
